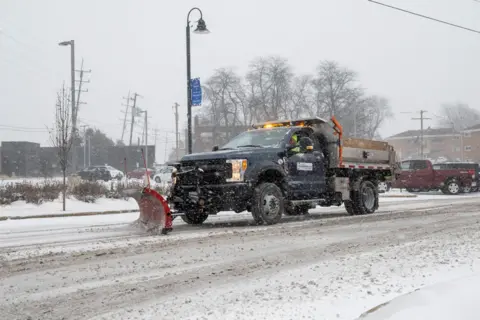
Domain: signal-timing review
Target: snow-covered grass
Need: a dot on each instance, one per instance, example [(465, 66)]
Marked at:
[(22, 209), (18, 207), (109, 184)]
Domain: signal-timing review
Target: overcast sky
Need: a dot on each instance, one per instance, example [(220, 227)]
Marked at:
[(140, 46)]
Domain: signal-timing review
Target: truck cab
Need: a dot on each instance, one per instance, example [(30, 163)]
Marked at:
[(264, 171)]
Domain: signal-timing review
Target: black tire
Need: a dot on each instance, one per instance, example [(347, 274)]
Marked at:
[(466, 189), (268, 203), (194, 217), (364, 201), (158, 180), (350, 208), (452, 187)]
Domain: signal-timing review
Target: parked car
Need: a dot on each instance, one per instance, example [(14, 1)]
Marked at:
[(163, 174), (139, 173), (104, 173), (422, 175)]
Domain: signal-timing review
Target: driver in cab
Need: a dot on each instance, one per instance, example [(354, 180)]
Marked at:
[(304, 145)]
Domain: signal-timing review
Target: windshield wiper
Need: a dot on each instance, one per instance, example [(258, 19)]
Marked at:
[(225, 149), (250, 145)]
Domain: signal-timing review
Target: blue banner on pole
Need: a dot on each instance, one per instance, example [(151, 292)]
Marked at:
[(196, 92)]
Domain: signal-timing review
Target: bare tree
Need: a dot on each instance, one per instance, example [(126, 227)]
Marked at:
[(269, 81), (374, 110), (271, 91), (226, 101), (459, 116), (302, 98), (336, 90), (61, 135)]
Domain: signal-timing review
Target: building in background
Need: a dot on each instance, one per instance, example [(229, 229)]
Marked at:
[(471, 143), (28, 159), (437, 143)]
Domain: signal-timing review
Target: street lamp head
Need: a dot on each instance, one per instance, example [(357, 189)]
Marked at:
[(65, 43), (201, 27)]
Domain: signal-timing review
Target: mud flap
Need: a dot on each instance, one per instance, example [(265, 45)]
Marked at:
[(154, 211)]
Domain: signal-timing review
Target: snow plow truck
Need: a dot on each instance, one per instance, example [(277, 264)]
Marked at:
[(281, 167)]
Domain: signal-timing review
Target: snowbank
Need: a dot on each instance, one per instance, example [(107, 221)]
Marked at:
[(457, 299), (21, 208)]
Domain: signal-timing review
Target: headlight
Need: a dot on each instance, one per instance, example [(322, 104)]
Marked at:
[(239, 166)]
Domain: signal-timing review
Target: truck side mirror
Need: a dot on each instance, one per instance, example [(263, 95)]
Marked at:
[(215, 148)]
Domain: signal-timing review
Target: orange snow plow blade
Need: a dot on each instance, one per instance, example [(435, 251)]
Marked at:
[(154, 211)]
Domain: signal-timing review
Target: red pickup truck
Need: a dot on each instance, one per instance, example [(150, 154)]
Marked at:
[(421, 175)]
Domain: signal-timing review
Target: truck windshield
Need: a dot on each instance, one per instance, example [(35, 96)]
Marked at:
[(259, 138)]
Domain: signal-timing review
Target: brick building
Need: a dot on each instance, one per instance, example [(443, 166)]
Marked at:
[(471, 143), (439, 142)]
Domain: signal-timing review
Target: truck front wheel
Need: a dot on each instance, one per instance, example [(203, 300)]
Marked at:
[(363, 201), (268, 203), (192, 217)]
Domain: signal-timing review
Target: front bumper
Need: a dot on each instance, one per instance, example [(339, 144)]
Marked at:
[(211, 198)]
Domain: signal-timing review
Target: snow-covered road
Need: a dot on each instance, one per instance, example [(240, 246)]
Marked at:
[(324, 266)]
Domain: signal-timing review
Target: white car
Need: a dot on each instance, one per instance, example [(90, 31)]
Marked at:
[(115, 173), (163, 174), (383, 187)]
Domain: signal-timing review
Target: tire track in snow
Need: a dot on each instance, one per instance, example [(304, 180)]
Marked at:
[(111, 282)]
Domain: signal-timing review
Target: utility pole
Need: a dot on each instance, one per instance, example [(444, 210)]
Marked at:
[(145, 133), (134, 99), (175, 107), (80, 83), (89, 151), (146, 138), (422, 118), (155, 143), (127, 105), (84, 145), (166, 144)]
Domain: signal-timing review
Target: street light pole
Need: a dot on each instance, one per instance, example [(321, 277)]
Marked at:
[(201, 28), (146, 139), (71, 43)]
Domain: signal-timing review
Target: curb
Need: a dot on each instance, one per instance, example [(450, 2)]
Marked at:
[(62, 215), (400, 196)]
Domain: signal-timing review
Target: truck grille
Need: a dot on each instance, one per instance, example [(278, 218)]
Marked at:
[(212, 172)]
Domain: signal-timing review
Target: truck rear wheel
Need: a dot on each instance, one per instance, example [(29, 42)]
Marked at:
[(268, 203), (363, 201), (452, 187), (191, 217)]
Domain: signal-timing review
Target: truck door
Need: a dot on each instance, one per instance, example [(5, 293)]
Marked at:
[(305, 171), (403, 174), (422, 175)]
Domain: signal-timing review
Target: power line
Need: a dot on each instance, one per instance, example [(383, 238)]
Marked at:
[(22, 129), (425, 17)]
